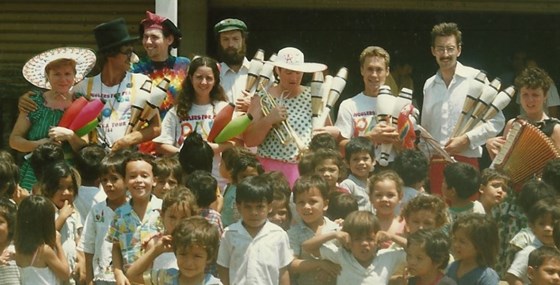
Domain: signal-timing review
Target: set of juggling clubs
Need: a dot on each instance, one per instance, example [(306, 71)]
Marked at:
[(483, 102), (325, 91), (146, 102)]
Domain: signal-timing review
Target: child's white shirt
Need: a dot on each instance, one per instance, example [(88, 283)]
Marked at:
[(86, 198), (520, 263), (93, 241), (255, 260), (352, 272), (69, 234)]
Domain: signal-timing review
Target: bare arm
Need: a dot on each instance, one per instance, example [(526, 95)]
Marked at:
[(116, 253), (166, 149), (512, 279), (137, 268), (89, 268), (56, 260), (313, 244), (556, 135), (19, 132), (306, 265), (261, 125), (223, 273), (26, 104), (63, 134), (493, 145), (284, 276), (136, 137)]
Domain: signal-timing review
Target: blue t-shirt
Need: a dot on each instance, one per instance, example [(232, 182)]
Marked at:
[(478, 276)]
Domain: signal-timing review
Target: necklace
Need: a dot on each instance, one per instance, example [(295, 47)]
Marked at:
[(113, 97)]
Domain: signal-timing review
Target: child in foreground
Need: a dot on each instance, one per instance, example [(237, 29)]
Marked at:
[(427, 255), (360, 157), (544, 266), (385, 195)]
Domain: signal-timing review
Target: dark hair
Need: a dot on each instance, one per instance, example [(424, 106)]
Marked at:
[(44, 155), (482, 232), (230, 155), (551, 173), (179, 195), (196, 154), (243, 162), (435, 244), (305, 164), (463, 178), (538, 256), (114, 161), (278, 181), (305, 183), (138, 156), (88, 162), (50, 182), (340, 205), (6, 156), (360, 223), (323, 154), (533, 78), (167, 29), (412, 166), (186, 97), (197, 231), (446, 30), (9, 177), (203, 185), (531, 192), (427, 202), (542, 208), (254, 189), (8, 210), (556, 232), (490, 174), (167, 166), (357, 145), (34, 224), (323, 141)]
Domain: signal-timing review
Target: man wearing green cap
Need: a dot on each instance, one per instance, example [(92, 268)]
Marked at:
[(232, 35)]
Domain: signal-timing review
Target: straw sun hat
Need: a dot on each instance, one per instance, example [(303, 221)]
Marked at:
[(293, 59)]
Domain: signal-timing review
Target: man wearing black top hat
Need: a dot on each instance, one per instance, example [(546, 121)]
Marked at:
[(117, 87)]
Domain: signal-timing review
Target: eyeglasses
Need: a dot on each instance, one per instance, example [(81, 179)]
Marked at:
[(448, 49), (127, 52)]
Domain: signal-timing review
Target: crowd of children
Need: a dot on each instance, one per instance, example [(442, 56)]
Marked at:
[(129, 218)]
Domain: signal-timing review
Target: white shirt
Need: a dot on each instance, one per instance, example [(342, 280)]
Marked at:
[(87, 197), (443, 105), (254, 260), (234, 82)]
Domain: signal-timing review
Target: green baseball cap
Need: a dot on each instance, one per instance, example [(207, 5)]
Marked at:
[(229, 25)]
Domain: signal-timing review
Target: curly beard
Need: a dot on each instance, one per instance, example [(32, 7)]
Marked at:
[(232, 56)]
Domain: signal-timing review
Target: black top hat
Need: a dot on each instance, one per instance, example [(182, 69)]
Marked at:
[(112, 34)]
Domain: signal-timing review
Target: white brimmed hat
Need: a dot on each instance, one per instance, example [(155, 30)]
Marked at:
[(34, 69), (292, 59)]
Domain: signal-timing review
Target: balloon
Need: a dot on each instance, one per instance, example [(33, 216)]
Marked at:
[(405, 127), (234, 128), (87, 128), (220, 121), (72, 111), (88, 113)]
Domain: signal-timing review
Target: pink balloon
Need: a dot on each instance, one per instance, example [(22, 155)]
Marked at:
[(87, 114)]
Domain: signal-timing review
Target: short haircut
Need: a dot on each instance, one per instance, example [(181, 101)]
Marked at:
[(375, 51), (341, 205), (51, 179), (44, 155), (544, 253), (230, 155), (203, 185), (490, 174), (323, 154), (531, 192), (196, 154), (304, 183), (8, 211), (430, 203), (197, 231), (435, 243), (551, 174), (361, 223), (167, 166), (305, 164), (9, 177), (357, 145), (533, 78), (34, 224), (386, 175), (463, 178), (254, 189), (114, 162), (543, 208), (179, 195), (58, 63), (243, 162), (138, 156), (412, 166), (482, 232), (88, 162), (323, 141), (446, 30), (279, 182)]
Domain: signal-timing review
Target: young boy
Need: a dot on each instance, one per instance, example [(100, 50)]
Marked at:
[(88, 164), (493, 189), (544, 266), (460, 182), (97, 250), (168, 173), (412, 167), (310, 197), (195, 244), (360, 156), (203, 185), (136, 220), (362, 263), (254, 250), (542, 217)]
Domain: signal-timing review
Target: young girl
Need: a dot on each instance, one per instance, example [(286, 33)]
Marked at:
[(195, 245), (178, 203), (475, 249), (39, 252), (9, 273), (329, 164), (385, 195), (60, 184), (280, 213), (427, 255)]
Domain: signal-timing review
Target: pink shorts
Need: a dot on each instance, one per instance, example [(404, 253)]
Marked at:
[(290, 170)]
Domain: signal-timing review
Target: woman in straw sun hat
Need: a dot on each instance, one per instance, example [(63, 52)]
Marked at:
[(55, 70), (292, 106)]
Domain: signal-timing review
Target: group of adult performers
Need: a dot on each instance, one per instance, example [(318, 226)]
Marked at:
[(201, 87)]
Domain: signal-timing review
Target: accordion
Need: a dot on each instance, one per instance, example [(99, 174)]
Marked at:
[(525, 152)]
